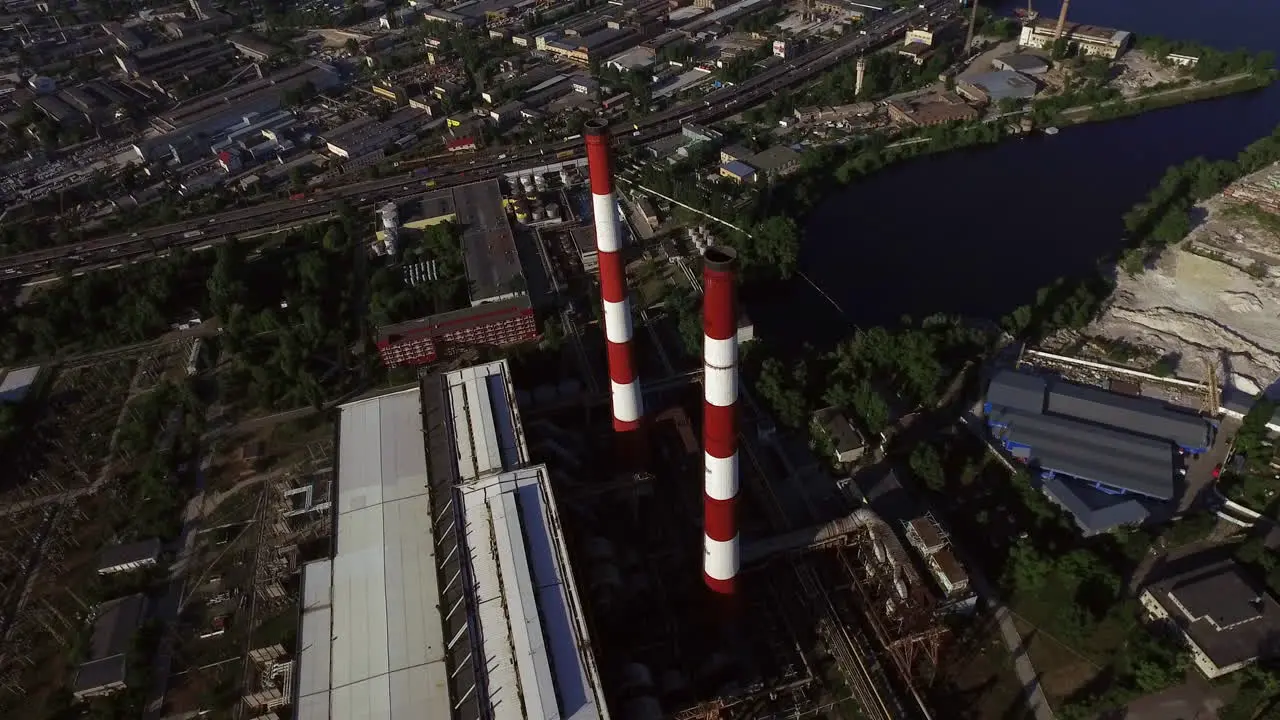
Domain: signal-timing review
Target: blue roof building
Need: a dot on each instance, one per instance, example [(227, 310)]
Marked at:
[(1106, 458), (739, 171)]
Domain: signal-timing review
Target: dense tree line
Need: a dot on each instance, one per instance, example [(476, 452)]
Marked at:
[(1164, 218), (1212, 64), (103, 309), (294, 319), (871, 377)]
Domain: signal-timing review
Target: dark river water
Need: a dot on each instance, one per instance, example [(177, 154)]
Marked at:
[(977, 232)]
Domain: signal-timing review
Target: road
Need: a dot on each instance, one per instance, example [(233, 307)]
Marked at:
[(275, 216)]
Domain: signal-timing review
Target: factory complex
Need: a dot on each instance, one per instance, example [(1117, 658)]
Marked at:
[(1109, 459), (450, 592), (499, 311)]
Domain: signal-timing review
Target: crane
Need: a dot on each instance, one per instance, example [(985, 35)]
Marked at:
[(1213, 394)]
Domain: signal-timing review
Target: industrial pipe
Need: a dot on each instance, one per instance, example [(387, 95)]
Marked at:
[(624, 386), (719, 426)]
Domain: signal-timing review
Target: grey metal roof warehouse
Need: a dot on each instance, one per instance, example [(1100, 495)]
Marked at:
[(1095, 512), (1139, 415), (113, 630), (1146, 416), (450, 593), (1018, 390), (1093, 454), (1094, 437), (1001, 84)]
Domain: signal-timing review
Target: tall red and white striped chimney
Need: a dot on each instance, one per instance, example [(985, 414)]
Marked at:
[(719, 423), (625, 387)]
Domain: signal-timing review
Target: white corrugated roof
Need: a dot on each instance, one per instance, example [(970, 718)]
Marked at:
[(387, 645), (486, 425), (312, 679), (532, 629), (373, 645)]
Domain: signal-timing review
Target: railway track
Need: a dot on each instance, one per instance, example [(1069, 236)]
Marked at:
[(106, 252)]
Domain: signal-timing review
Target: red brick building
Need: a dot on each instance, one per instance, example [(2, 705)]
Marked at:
[(496, 324)]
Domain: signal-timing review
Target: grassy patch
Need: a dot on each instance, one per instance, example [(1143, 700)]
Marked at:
[(1267, 220)]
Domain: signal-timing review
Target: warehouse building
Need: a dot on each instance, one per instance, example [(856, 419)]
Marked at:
[(1228, 620), (125, 558), (1024, 63), (215, 111), (1108, 459), (450, 593), (931, 109), (777, 161), (995, 86), (115, 624), (1087, 39), (501, 313)]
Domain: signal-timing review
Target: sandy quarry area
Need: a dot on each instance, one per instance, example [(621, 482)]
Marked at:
[(1215, 296)]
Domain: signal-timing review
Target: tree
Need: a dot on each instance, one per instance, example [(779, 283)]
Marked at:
[(927, 465), (779, 392), (776, 243)]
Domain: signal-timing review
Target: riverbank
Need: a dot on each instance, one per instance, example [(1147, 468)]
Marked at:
[(1171, 97)]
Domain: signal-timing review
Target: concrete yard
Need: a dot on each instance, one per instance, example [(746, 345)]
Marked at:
[(1214, 296)]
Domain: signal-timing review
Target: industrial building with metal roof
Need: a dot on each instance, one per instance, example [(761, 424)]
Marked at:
[(997, 85), (105, 670), (1228, 620), (1106, 458), (450, 593)]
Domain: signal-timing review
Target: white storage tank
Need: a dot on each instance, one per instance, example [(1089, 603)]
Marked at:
[(553, 211)]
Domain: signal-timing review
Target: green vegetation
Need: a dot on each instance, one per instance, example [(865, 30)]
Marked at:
[(392, 299), (1265, 219), (293, 320), (1070, 591), (867, 376), (1213, 63), (1164, 218), (103, 309), (1253, 483), (887, 74)]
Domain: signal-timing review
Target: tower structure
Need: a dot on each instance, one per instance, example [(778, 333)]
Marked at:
[(628, 409), (719, 425), (861, 75), (973, 22), (1062, 20)]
